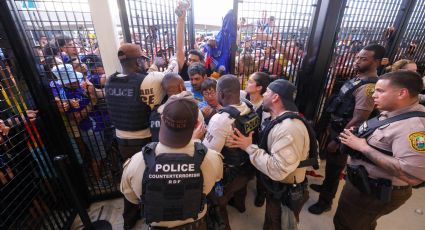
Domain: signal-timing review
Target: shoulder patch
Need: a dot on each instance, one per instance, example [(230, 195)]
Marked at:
[(369, 89), (417, 141)]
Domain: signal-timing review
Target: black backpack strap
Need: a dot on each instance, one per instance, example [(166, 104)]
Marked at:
[(149, 157), (149, 154), (200, 152), (268, 128), (368, 80), (248, 103), (232, 111), (365, 81), (374, 123)]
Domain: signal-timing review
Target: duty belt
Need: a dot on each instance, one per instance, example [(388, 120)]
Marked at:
[(380, 188), (190, 226)]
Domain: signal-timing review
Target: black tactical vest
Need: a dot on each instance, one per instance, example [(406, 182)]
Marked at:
[(155, 124), (172, 184), (277, 189), (342, 105), (126, 109), (245, 124), (312, 159)]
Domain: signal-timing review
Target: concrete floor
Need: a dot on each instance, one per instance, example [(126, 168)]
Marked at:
[(408, 217)]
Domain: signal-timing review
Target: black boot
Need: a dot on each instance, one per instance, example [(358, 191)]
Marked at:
[(238, 203), (316, 187), (260, 198), (320, 207)]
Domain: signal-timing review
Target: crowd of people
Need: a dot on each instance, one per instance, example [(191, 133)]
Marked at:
[(191, 137)]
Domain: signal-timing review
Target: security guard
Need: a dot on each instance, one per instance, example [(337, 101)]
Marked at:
[(384, 165), (130, 96), (238, 170), (285, 143), (352, 106), (171, 178)]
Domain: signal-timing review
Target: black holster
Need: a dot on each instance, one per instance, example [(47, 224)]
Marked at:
[(358, 176), (338, 125), (380, 188), (295, 196)]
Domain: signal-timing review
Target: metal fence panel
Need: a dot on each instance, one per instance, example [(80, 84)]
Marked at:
[(61, 33), (31, 196), (364, 22), (152, 24), (272, 37), (412, 45)]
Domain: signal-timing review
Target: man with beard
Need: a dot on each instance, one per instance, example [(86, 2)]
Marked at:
[(352, 106), (280, 155)]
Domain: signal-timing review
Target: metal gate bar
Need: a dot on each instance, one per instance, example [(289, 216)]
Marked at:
[(70, 21), (30, 194)]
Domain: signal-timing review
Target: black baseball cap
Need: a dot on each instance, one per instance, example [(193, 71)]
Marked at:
[(286, 91)]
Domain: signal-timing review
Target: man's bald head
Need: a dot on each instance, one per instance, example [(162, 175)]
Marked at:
[(172, 83), (228, 90)]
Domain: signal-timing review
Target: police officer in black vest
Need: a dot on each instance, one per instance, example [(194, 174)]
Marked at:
[(171, 178), (352, 106), (281, 156), (128, 112), (238, 169)]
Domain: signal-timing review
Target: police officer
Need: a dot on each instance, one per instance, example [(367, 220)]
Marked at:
[(352, 106), (238, 170), (285, 143), (130, 96), (171, 178), (390, 160)]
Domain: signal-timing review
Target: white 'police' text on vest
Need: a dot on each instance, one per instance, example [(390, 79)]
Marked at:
[(173, 172), (121, 92)]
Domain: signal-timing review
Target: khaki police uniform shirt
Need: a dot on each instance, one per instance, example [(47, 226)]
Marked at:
[(288, 143), (131, 181), (363, 97), (151, 93), (220, 128), (405, 139)]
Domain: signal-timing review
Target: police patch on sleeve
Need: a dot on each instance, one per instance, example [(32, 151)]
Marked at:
[(417, 141), (369, 89)]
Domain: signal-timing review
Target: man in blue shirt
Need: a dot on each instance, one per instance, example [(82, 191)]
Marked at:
[(75, 98), (197, 74)]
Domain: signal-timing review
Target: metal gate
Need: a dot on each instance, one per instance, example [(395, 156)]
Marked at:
[(412, 44), (363, 22), (31, 196), (272, 37), (152, 24), (63, 44)]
